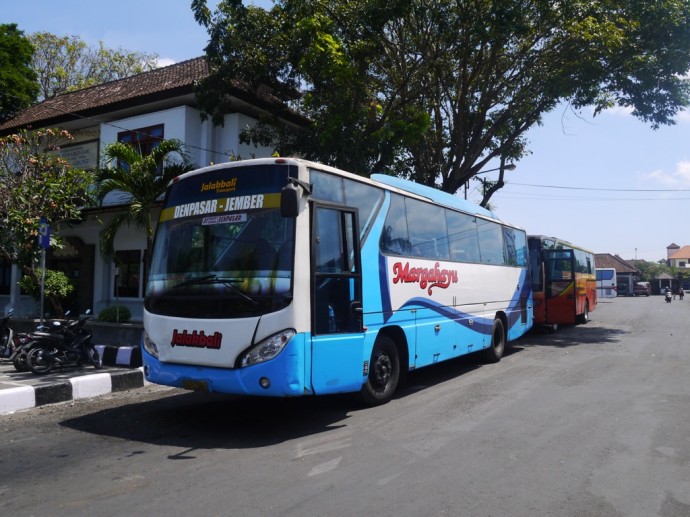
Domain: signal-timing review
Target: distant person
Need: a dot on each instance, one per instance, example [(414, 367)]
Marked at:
[(681, 293)]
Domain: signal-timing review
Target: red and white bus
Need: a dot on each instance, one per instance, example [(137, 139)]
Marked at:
[(564, 285)]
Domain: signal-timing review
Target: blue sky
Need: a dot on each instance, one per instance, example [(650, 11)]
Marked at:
[(569, 151)]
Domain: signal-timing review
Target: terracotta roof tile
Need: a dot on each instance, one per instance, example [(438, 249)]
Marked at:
[(682, 253), (178, 78), (602, 260)]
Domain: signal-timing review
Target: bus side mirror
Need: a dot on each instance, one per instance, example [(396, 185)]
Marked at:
[(289, 201)]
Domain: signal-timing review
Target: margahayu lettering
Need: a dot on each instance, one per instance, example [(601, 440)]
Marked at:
[(431, 277)]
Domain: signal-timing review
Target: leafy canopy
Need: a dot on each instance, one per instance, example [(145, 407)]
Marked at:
[(36, 182), (436, 89), (66, 63), (18, 88)]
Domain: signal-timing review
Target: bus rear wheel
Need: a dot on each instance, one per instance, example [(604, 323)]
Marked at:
[(495, 351), (384, 373), (584, 317)]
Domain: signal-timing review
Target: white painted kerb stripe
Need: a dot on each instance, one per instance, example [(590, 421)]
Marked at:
[(14, 399), (91, 385), (124, 355)]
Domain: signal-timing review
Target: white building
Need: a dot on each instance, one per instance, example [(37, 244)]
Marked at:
[(151, 106)]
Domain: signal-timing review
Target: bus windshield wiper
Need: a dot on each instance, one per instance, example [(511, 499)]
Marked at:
[(198, 280), (214, 279)]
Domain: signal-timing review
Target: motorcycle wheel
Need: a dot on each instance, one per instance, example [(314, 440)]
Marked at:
[(19, 361), (39, 361), (94, 357)]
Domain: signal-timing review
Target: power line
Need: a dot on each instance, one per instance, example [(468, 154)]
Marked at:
[(511, 183), (597, 189)]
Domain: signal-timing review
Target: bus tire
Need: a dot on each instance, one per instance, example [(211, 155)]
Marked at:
[(584, 317), (495, 351), (384, 373)]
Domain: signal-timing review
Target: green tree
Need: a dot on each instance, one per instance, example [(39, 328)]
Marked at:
[(144, 179), (56, 288), (436, 89), (66, 63), (651, 270), (36, 182), (18, 87)]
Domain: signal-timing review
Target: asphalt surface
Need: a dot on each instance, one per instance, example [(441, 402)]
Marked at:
[(24, 390)]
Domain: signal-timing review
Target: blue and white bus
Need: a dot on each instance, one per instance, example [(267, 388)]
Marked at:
[(606, 282), (283, 277)]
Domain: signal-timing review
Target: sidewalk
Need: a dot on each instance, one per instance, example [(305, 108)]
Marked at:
[(24, 390)]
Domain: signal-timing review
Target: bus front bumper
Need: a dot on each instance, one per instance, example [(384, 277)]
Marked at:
[(282, 376)]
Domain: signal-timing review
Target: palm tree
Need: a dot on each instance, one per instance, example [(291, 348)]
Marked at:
[(143, 179)]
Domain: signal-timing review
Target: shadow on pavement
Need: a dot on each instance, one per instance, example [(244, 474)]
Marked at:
[(194, 421), (573, 336)]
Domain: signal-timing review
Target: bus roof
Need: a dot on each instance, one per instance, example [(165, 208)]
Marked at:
[(438, 196), (416, 189)]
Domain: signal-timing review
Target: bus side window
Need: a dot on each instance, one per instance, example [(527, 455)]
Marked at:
[(394, 238)]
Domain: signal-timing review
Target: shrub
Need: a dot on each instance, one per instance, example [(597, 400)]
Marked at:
[(57, 284), (57, 287), (109, 314)]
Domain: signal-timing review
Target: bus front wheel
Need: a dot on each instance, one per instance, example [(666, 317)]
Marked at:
[(384, 373), (495, 351)]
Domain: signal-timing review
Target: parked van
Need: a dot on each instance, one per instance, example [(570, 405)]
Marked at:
[(642, 289)]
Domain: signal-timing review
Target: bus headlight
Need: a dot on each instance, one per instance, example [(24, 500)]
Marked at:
[(267, 349), (150, 346)]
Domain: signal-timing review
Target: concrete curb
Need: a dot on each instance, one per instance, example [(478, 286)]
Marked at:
[(93, 385), (129, 356)]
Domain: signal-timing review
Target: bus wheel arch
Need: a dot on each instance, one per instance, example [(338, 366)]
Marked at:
[(499, 339), (385, 367)]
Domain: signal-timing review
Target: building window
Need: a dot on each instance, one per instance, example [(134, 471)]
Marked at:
[(129, 282), (145, 139), (5, 275)]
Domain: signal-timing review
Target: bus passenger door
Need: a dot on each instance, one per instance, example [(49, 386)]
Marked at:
[(337, 331), (559, 288)]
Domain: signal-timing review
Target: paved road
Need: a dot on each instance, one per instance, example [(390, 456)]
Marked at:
[(591, 421)]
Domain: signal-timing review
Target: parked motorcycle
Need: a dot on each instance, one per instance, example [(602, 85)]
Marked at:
[(70, 346), (9, 339), (23, 342)]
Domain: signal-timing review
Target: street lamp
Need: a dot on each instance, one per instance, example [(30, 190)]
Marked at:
[(509, 167)]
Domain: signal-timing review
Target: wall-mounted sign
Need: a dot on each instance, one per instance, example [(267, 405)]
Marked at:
[(82, 156)]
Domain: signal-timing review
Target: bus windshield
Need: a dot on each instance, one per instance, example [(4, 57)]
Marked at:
[(228, 259)]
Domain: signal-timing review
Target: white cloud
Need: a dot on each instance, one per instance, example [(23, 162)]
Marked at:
[(165, 61), (683, 116), (619, 111), (680, 178)]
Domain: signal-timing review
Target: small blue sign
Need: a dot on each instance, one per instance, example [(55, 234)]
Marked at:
[(44, 234)]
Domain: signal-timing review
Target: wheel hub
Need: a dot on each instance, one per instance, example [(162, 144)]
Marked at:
[(383, 370)]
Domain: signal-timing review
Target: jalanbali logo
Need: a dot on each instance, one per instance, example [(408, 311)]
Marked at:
[(196, 339), (425, 277), (220, 185)]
